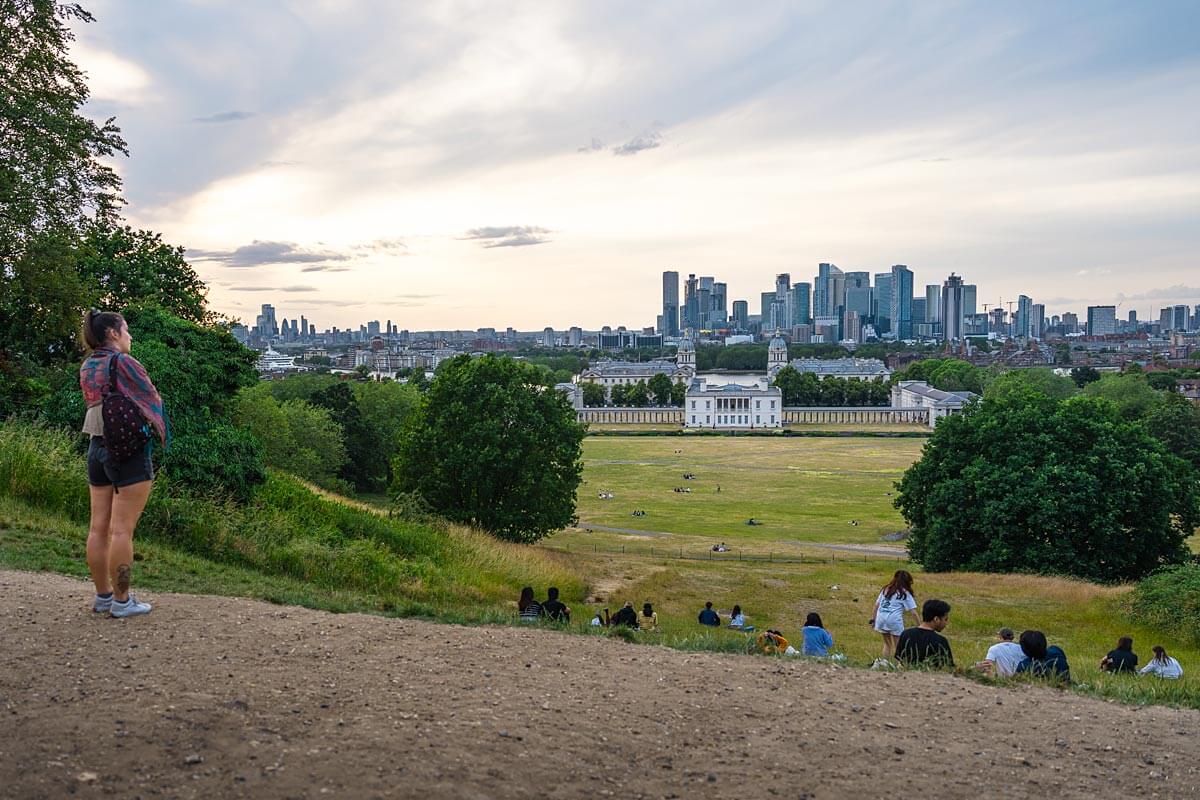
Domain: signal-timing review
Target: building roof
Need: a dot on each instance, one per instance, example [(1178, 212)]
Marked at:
[(842, 366), (620, 368), (938, 396), (685, 346)]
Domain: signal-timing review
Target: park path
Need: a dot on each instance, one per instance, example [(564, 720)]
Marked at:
[(882, 550), (224, 697)]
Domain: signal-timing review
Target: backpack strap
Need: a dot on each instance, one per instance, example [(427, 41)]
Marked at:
[(112, 373)]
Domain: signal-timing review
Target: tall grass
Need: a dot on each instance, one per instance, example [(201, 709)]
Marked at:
[(290, 531)]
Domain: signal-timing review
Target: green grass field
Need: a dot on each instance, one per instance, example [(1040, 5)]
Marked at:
[(801, 489)]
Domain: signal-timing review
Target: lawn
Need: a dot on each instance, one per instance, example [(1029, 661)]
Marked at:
[(800, 489)]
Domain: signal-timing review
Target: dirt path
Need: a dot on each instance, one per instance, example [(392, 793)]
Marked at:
[(216, 697)]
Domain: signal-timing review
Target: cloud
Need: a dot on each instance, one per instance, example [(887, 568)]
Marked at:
[(1177, 292), (259, 252), (594, 147), (508, 236), (225, 116), (395, 247), (324, 268), (644, 141), (273, 288)]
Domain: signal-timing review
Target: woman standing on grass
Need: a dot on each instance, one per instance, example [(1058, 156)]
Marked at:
[(119, 489), (894, 599)]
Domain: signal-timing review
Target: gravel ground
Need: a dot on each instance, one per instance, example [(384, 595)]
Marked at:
[(221, 697)]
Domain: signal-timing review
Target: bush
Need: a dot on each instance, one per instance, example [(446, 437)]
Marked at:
[(1170, 599), (218, 458)]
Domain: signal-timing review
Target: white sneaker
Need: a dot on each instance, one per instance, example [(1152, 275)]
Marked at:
[(880, 663), (130, 608), (102, 605)]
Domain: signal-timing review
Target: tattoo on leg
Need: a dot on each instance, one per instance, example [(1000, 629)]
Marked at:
[(122, 586)]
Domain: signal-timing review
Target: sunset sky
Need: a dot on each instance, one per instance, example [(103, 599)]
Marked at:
[(466, 164)]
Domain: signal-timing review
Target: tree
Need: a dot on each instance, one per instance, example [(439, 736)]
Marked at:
[(678, 393), (297, 437), (366, 466), (1024, 482), (1176, 423), (492, 446), (1084, 375), (133, 266), (1129, 391), (954, 375), (787, 380), (593, 395), (638, 396), (1037, 379), (660, 389), (619, 394), (1163, 381), (53, 177)]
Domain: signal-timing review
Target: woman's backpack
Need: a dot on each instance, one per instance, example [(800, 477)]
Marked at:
[(125, 429)]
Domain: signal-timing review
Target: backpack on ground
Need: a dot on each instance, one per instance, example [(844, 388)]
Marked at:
[(125, 428)]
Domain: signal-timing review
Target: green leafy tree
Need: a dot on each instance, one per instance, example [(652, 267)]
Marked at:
[(787, 380), (1037, 379), (1028, 483), (491, 446), (593, 395), (638, 395), (1129, 391), (1084, 375), (678, 393), (1163, 381), (366, 465), (42, 298), (660, 389), (135, 266), (619, 394), (953, 375), (1176, 423), (297, 437)]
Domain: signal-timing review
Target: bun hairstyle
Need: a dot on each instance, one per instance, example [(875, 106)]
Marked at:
[(96, 327)]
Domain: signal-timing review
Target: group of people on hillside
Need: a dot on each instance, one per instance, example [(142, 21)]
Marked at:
[(554, 610), (1030, 653), (627, 617)]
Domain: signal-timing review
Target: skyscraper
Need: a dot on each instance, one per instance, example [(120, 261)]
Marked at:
[(969, 308), (1021, 321), (704, 303), (952, 313), (902, 293), (1101, 320), (1037, 320), (825, 290), (933, 302), (801, 304), (720, 311), (1179, 318), (670, 303), (882, 302), (691, 303), (741, 315), (764, 318)]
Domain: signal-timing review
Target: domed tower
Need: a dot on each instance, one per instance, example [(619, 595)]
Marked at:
[(685, 356), (777, 355)]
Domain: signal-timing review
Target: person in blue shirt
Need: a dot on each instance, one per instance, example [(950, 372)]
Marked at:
[(710, 617), (817, 640), (1043, 661)]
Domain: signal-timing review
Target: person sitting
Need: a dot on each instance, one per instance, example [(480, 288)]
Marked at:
[(554, 609), (771, 642), (625, 616), (649, 619), (601, 619), (1163, 665), (1005, 654), (925, 644), (709, 617), (1123, 659), (817, 640), (737, 620), (1042, 661), (529, 609)]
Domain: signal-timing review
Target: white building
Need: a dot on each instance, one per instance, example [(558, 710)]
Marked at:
[(272, 361), (776, 355), (625, 373), (918, 394), (733, 402), (864, 369)]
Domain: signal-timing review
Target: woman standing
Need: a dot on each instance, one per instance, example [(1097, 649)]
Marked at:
[(894, 599), (119, 489)]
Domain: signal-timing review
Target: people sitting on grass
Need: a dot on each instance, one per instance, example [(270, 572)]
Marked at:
[(925, 644), (1003, 657), (720, 548), (1042, 660), (1163, 665), (753, 521), (817, 640), (888, 619), (601, 619), (772, 643), (1123, 659), (554, 609), (529, 609), (737, 620), (648, 621), (709, 617)]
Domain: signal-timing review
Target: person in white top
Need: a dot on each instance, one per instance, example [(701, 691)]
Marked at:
[(1163, 665), (894, 599), (1006, 654)]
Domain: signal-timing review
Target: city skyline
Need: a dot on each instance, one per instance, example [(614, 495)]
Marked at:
[(455, 166)]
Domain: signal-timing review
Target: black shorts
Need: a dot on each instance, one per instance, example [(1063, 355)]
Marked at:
[(102, 472)]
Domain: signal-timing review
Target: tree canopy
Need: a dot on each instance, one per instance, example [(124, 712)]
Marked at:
[(1024, 482), (492, 445)]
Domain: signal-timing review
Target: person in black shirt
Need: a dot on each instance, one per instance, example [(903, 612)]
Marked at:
[(925, 644), (626, 616), (1123, 659), (555, 609), (710, 617)]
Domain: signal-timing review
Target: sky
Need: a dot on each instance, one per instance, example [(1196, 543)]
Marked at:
[(467, 164)]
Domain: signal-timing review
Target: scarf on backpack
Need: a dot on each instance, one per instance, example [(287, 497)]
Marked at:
[(132, 381)]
